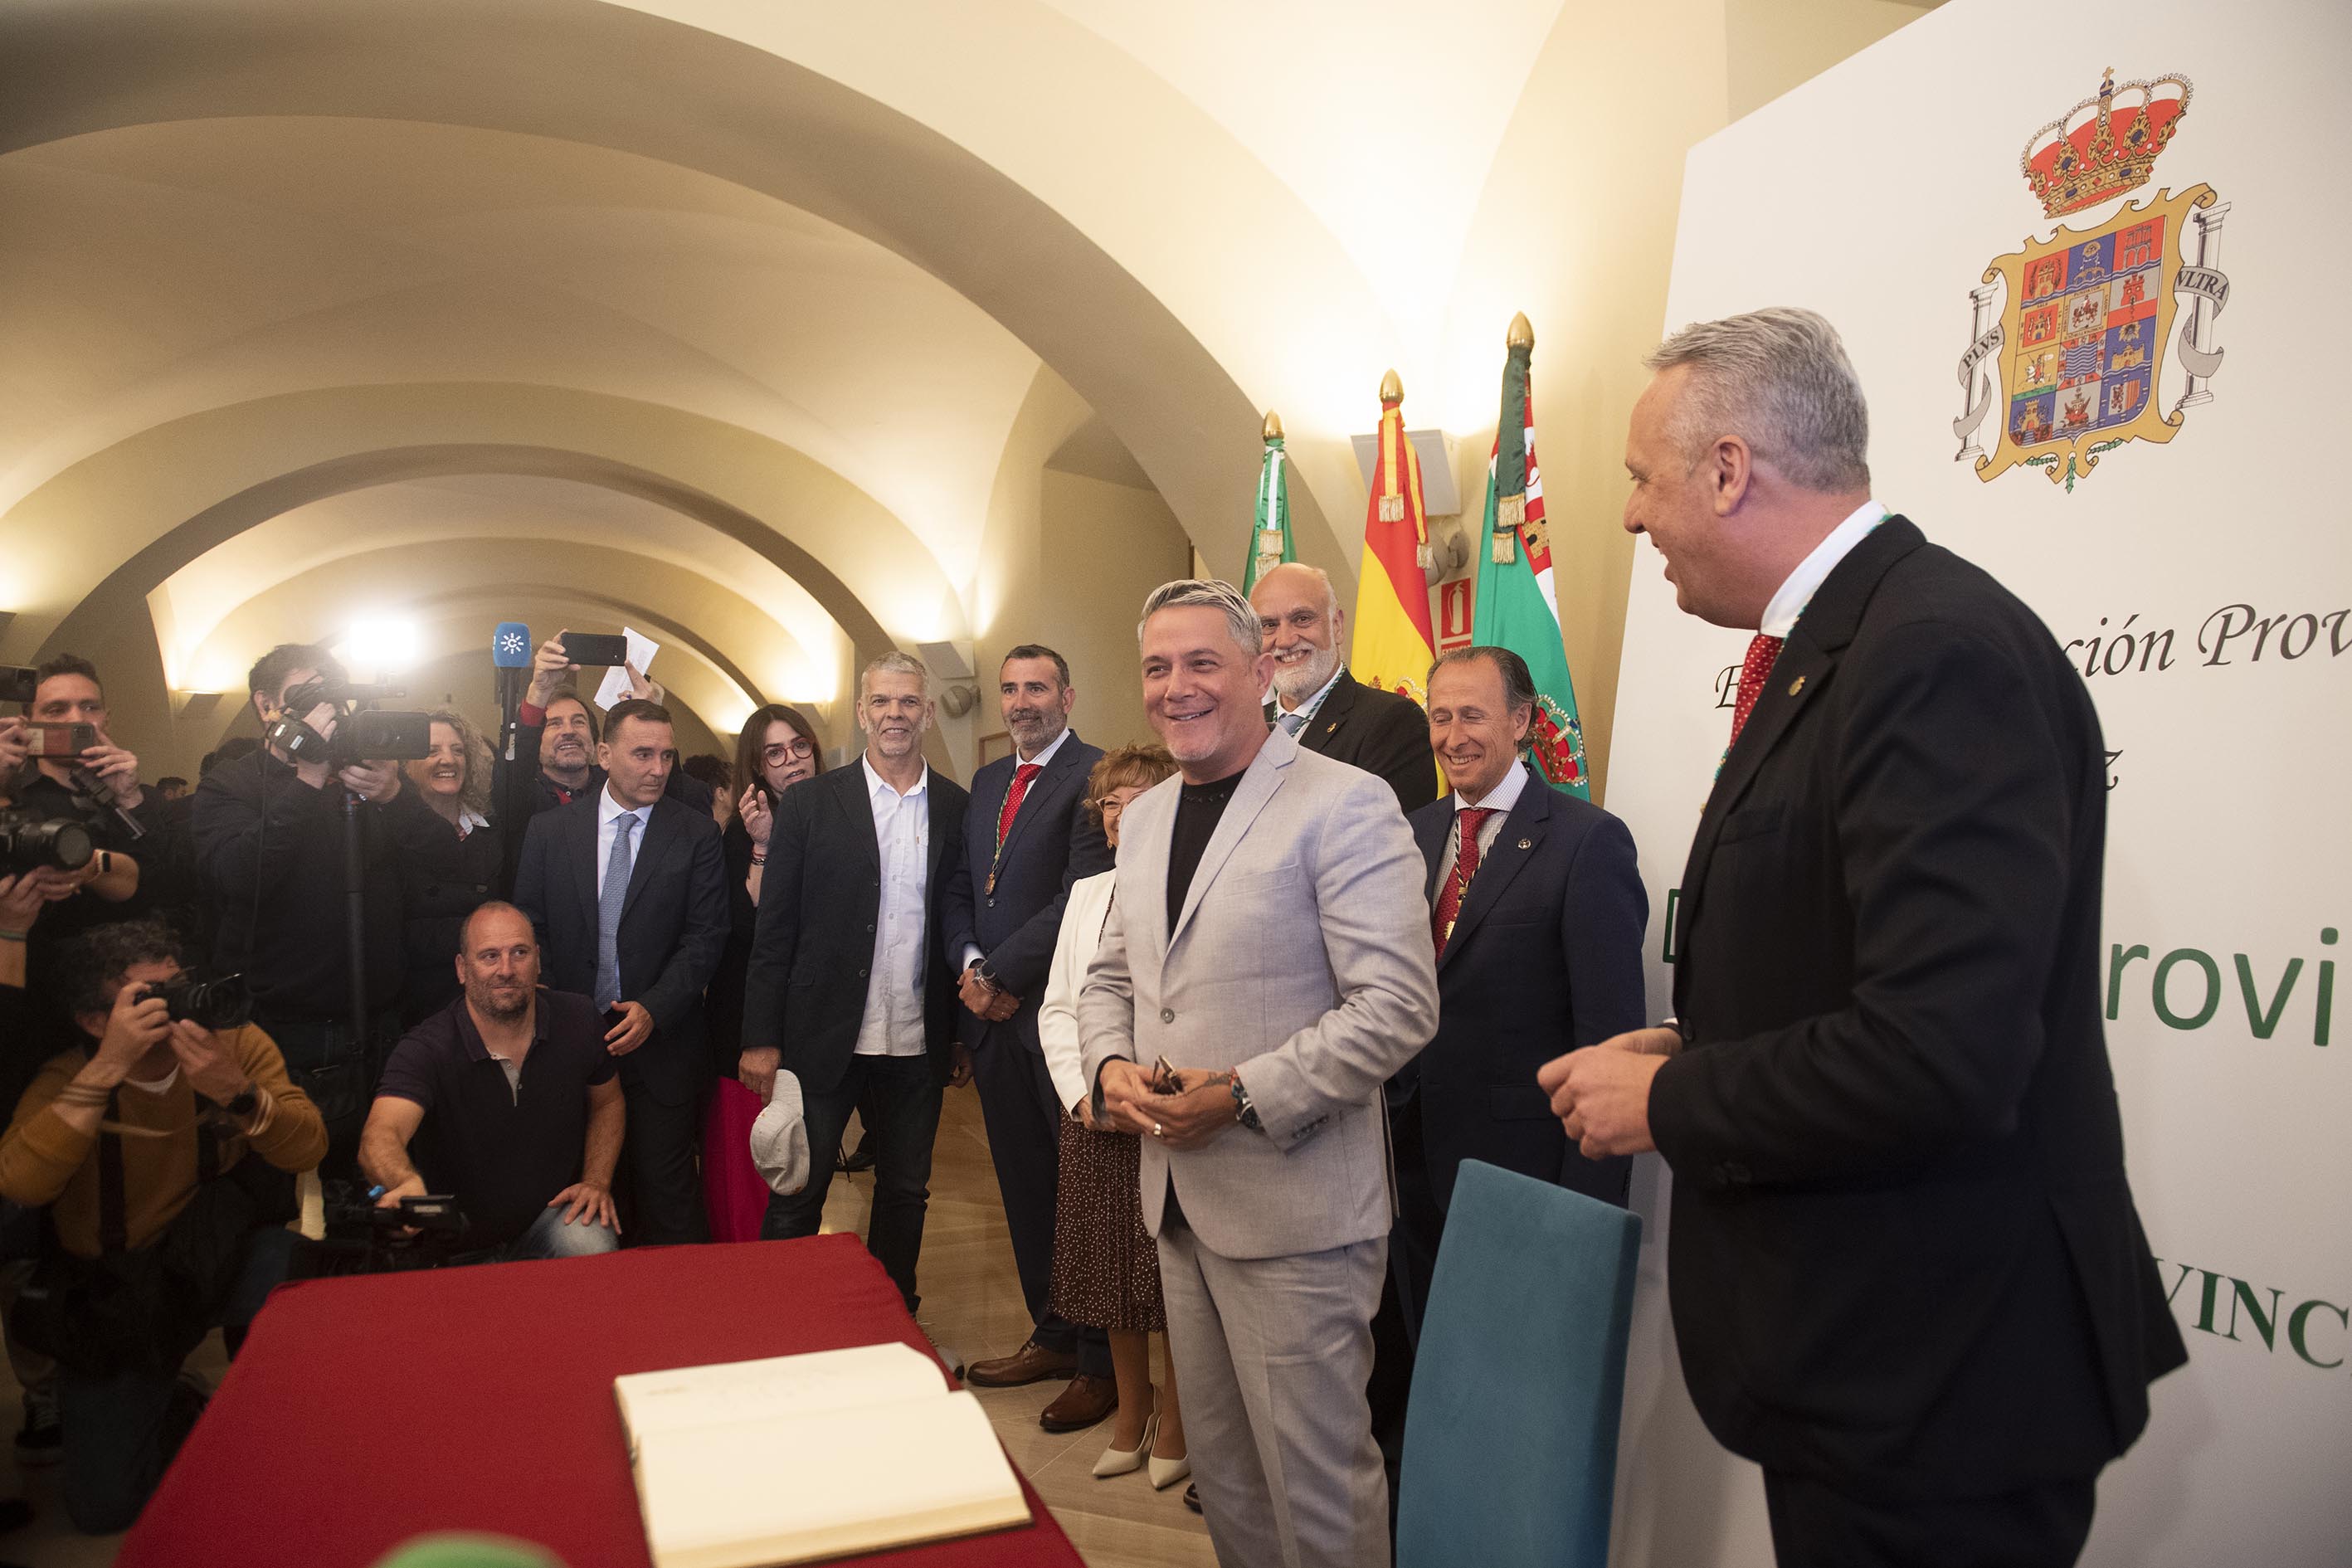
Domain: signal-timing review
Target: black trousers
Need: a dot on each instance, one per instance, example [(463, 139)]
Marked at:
[(904, 1099), (1816, 1526), (337, 1066), (1024, 1117), (661, 1190), (1404, 1291)]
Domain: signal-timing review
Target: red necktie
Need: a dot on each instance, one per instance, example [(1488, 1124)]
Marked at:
[(1465, 865), (1753, 672), (1020, 777)]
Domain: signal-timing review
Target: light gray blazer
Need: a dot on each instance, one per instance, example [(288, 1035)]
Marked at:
[(1302, 955)]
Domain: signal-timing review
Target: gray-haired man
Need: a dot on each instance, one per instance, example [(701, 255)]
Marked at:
[(1268, 939), (849, 984)]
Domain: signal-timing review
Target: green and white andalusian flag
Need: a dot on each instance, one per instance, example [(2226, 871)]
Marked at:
[(1270, 541), (1515, 606)]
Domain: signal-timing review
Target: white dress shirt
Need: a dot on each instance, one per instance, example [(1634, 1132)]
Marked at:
[(893, 1024), (609, 811), (1780, 614), (1500, 800)]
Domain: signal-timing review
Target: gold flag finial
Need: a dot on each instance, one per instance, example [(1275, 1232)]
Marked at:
[(1272, 430), (1392, 388), (1522, 334)]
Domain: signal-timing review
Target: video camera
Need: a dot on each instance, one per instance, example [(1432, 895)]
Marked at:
[(363, 732), (362, 1238), (222, 1002)]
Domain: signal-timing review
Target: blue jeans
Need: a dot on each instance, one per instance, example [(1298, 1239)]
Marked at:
[(119, 1431), (905, 1101), (549, 1236)]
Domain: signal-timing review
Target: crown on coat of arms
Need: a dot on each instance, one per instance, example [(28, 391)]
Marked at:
[(2078, 160)]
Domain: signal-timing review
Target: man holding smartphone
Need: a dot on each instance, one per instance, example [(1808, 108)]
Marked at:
[(555, 741)]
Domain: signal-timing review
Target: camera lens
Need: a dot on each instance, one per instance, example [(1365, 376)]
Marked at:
[(59, 843)]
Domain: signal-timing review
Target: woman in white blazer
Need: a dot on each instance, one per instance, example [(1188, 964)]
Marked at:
[(1106, 1265)]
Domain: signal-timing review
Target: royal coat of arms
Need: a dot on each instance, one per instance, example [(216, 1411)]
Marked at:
[(2068, 344)]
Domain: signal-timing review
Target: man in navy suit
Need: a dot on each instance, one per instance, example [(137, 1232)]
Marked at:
[(1536, 911), (1906, 1273), (627, 889), (849, 988), (1024, 842)]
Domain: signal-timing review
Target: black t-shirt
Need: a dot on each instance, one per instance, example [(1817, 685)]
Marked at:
[(501, 1151), (1197, 809)]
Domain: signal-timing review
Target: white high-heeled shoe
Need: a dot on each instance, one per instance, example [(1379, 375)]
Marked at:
[(1166, 1473), (1119, 1461)]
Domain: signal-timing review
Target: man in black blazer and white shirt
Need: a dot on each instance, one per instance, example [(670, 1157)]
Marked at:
[(849, 986), (1906, 1272), (1538, 937), (1314, 699), (627, 889)]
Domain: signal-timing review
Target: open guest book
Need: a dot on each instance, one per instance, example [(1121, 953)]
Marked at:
[(801, 1458)]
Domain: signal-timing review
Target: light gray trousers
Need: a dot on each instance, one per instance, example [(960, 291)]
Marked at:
[(1272, 1355)]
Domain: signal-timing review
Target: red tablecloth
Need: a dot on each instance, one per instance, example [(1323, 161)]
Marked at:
[(363, 1412)]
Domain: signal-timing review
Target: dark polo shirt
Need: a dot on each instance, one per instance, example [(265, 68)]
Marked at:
[(503, 1150)]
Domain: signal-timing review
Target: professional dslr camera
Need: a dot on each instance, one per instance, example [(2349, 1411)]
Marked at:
[(363, 732), (30, 842), (225, 1003)]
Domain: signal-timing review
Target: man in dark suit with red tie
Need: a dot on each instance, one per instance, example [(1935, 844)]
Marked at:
[(1536, 912), (1026, 841), (1906, 1273)]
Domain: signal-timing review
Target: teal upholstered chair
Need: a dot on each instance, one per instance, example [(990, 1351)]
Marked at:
[(1510, 1437)]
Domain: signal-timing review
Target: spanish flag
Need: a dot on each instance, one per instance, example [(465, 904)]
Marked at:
[(1395, 641)]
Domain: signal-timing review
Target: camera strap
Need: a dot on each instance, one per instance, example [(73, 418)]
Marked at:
[(114, 1202), (113, 1209)]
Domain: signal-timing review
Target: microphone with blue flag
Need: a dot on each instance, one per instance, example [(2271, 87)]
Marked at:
[(510, 653)]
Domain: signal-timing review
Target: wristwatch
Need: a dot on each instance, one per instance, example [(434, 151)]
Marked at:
[(245, 1104), (1244, 1111)]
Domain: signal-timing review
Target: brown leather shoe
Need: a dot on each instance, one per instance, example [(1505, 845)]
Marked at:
[(1086, 1401), (1032, 1363)]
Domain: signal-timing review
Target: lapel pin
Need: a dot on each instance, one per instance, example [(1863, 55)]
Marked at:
[(1527, 843), (1796, 686)]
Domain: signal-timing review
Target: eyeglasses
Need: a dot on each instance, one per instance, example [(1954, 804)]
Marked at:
[(799, 749), (1110, 807)]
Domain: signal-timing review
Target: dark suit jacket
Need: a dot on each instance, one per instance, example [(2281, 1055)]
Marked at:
[(1379, 731), (1903, 1256), (1545, 957), (1053, 842), (519, 791), (673, 928), (820, 900)]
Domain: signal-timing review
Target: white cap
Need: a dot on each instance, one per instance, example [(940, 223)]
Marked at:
[(780, 1145)]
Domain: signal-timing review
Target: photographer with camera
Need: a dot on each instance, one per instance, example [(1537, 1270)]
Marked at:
[(508, 1101), (271, 846), (59, 767), (135, 1139)]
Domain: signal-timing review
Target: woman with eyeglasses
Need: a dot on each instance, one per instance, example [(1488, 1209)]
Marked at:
[(778, 749)]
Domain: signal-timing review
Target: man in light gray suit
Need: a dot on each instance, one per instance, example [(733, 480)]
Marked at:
[(1269, 940)]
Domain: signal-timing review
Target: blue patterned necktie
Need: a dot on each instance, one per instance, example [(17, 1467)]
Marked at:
[(609, 900), (1292, 723)]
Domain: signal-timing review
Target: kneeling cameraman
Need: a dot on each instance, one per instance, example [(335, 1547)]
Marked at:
[(511, 1100), (135, 1141)]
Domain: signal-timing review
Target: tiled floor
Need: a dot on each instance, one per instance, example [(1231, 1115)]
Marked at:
[(972, 1304)]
